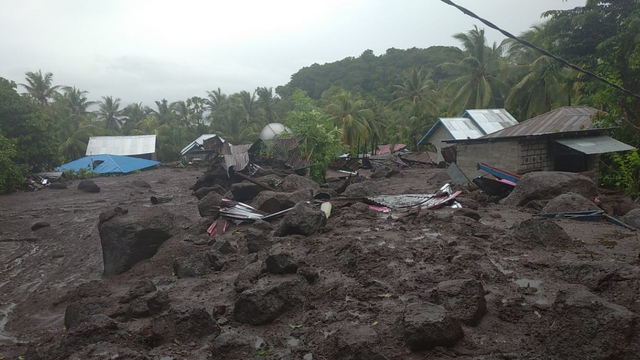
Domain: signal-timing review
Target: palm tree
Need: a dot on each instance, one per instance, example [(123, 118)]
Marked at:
[(215, 98), (132, 114), (171, 139), (248, 103), (229, 122), (163, 112), (268, 102), (350, 116), (181, 112), (418, 92), (40, 88), (478, 86), (109, 111)]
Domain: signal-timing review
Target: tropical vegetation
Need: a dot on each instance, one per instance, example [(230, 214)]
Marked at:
[(359, 101)]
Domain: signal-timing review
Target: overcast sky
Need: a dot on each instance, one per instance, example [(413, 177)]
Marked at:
[(146, 50)]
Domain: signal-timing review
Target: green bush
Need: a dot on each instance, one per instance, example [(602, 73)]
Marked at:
[(621, 172), (11, 174)]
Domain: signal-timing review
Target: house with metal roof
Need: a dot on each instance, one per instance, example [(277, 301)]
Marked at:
[(140, 146), (564, 139), (471, 125), (195, 150)]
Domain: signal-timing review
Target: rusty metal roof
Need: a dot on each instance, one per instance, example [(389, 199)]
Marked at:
[(564, 119)]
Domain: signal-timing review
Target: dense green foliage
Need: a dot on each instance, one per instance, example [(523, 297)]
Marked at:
[(359, 102), (319, 138)]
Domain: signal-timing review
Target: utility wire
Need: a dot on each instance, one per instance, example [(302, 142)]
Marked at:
[(544, 52)]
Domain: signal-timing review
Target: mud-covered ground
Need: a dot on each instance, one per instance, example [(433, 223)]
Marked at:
[(376, 274)]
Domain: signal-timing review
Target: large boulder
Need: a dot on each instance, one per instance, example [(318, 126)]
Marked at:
[(295, 182), (545, 185), (303, 219), (543, 232), (88, 186), (203, 191), (426, 325), (569, 202), (585, 321), (184, 323), (363, 189), (245, 191), (271, 202), (463, 299), (632, 218), (269, 298), (355, 342), (129, 238), (206, 204)]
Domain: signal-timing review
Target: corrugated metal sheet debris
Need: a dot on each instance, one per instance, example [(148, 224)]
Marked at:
[(491, 120), (595, 145)]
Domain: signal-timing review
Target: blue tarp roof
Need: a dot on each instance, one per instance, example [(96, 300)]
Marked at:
[(111, 164)]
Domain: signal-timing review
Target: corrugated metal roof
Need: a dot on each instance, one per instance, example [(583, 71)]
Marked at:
[(461, 128), (595, 145), (564, 119), (491, 120), (199, 142), (121, 145)]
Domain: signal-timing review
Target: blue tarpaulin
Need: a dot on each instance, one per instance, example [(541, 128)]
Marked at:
[(108, 164)]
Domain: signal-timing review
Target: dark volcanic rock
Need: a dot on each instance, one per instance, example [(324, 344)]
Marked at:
[(197, 264), (541, 185), (130, 238), (245, 191), (467, 213), (148, 305), (206, 204), (269, 298), (569, 202), (591, 324), (271, 202), (140, 288), (309, 273), (39, 225), (363, 189), (249, 275), (463, 299), (632, 218), (425, 326), (58, 186), (355, 342), (281, 263), (225, 247), (202, 192), (183, 323), (295, 182), (88, 186), (600, 275), (304, 219), (217, 259), (80, 311), (256, 240), (141, 183), (541, 231)]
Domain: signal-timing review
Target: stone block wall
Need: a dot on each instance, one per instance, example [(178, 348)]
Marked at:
[(534, 156)]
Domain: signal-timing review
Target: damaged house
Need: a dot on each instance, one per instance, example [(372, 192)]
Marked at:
[(564, 139), (471, 125)]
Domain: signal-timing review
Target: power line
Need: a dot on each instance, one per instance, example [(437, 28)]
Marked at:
[(544, 52)]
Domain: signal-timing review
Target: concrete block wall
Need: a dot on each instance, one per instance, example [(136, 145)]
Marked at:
[(501, 154), (534, 156)]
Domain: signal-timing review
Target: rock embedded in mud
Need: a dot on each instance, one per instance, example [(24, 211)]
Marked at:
[(184, 323), (591, 324), (463, 299), (88, 186), (281, 263), (249, 275), (127, 240), (204, 191), (309, 273), (569, 202), (363, 189), (245, 191), (426, 325), (541, 231), (206, 204), (632, 218), (256, 240), (271, 202), (355, 342), (141, 183), (295, 182), (39, 225), (82, 310), (148, 305), (225, 247), (140, 288), (217, 259), (198, 264), (541, 185), (467, 213), (269, 298), (303, 219)]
